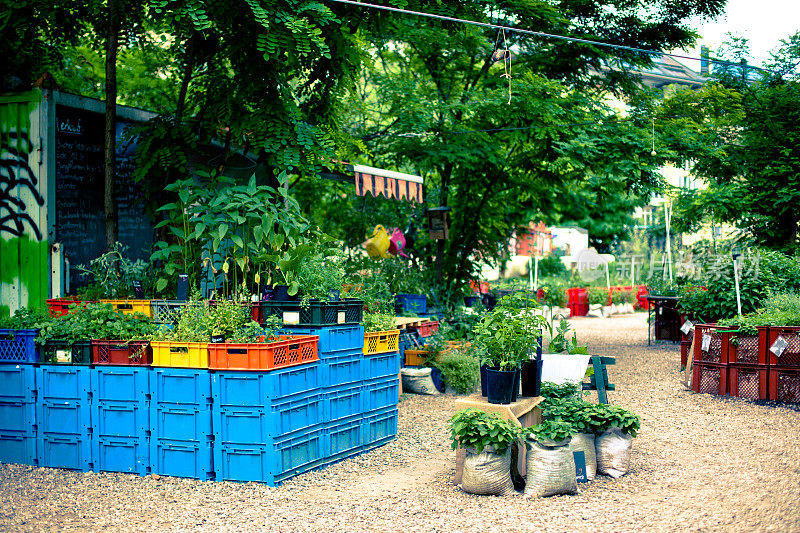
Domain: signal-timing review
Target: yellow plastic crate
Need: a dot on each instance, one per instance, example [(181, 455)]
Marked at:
[(416, 357), (130, 307), (180, 354), (381, 341)]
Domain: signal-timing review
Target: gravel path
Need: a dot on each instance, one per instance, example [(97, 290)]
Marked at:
[(700, 463)]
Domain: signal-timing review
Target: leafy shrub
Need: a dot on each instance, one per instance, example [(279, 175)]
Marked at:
[(550, 431), (373, 322), (473, 428), (26, 318), (96, 321), (779, 310), (460, 369), (585, 417)]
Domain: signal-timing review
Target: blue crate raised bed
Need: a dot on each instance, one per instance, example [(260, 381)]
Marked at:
[(17, 383), (381, 393), (121, 454), (265, 425), (181, 423), (412, 303), (344, 438), (18, 418), (332, 339), (253, 389), (345, 368), (112, 419), (120, 384), (182, 459), (16, 448), (180, 386), (316, 313), (61, 418), (381, 365), (63, 382), (343, 401), (69, 451), (380, 427), (17, 346)]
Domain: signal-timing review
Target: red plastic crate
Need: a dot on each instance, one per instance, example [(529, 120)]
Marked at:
[(685, 347), (784, 384), (791, 356), (746, 349), (710, 378), (748, 381), (286, 351), (60, 306), (426, 329), (112, 352), (718, 349)]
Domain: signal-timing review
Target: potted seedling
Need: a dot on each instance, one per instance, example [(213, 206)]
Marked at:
[(506, 336), (486, 439)]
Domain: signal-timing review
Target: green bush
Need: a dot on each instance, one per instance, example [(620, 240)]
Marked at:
[(26, 318), (473, 428), (96, 321), (461, 370)]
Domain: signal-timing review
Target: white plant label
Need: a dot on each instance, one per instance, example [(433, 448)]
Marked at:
[(64, 356), (779, 346), (340, 318), (706, 342), (687, 327), (291, 317)]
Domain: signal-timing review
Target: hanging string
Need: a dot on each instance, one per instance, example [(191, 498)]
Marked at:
[(653, 152)]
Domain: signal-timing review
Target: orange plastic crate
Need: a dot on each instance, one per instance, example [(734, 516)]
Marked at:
[(416, 357), (286, 351)]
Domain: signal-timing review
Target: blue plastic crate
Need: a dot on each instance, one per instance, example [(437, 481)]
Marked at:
[(181, 459), (254, 389), (181, 424), (381, 393), (343, 401), (180, 386), (73, 452), (344, 438), (63, 418), (120, 419), (15, 448), (344, 367), (294, 454), (18, 418), (332, 339), (63, 382), (379, 427), (412, 303), (381, 365), (17, 346), (120, 384), (17, 383), (250, 425), (121, 454)]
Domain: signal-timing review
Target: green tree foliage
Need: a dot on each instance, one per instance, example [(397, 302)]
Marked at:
[(742, 134), (502, 149)]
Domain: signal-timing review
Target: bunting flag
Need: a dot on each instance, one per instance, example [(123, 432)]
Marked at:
[(388, 183)]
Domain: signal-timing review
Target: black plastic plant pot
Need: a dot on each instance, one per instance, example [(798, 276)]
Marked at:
[(438, 379), (470, 301), (280, 293), (500, 385), (489, 301), (515, 392), (483, 380), (531, 374)]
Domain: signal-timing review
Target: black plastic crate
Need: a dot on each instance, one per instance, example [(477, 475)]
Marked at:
[(57, 351), (316, 313)]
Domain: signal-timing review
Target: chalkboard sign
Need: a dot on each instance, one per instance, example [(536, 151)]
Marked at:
[(80, 214)]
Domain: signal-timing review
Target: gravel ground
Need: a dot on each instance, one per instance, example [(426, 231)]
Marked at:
[(700, 463)]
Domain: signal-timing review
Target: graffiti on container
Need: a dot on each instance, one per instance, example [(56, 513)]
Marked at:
[(16, 173)]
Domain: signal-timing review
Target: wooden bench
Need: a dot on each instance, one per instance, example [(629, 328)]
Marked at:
[(599, 381)]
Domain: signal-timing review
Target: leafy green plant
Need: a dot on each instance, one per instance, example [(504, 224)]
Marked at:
[(26, 318), (321, 271), (373, 322), (563, 390), (560, 342), (598, 295), (96, 321), (613, 416), (461, 369), (199, 320), (112, 275), (509, 332), (550, 432), (779, 310), (472, 428)]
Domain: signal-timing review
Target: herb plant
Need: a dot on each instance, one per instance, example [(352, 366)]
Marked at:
[(550, 432), (373, 322), (96, 321), (460, 368), (508, 333), (26, 318), (112, 275), (472, 428)]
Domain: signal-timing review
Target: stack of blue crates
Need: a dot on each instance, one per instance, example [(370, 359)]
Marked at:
[(17, 414), (121, 419), (63, 417), (267, 425), (262, 426), (181, 434)]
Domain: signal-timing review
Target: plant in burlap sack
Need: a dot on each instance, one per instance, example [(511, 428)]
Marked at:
[(584, 419), (616, 429), (486, 439), (550, 463)]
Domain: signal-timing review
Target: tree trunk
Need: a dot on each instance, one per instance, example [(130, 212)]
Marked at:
[(110, 203)]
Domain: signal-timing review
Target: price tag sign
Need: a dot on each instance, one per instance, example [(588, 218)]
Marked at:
[(217, 338), (138, 291), (706, 342), (687, 327), (291, 317), (340, 317), (580, 467), (779, 346), (64, 356)]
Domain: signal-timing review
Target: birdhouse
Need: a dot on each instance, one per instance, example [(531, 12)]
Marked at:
[(438, 222)]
